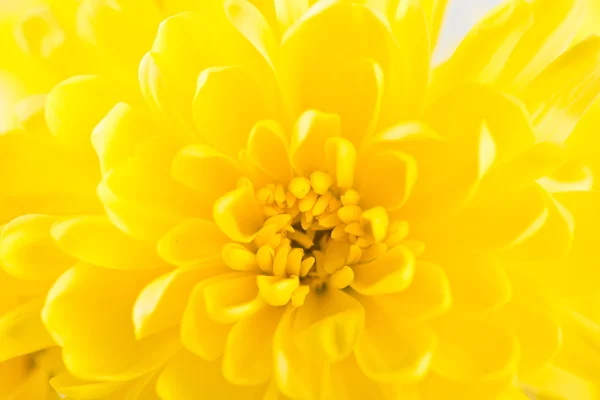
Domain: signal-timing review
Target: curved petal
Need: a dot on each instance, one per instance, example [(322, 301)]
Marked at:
[(387, 166), (22, 331), (38, 176), (27, 251), (117, 135), (248, 354), (341, 157), (161, 304), (461, 111), (95, 240), (191, 241), (481, 55), (92, 96), (390, 273), (238, 214), (204, 169), (98, 24), (179, 381), (478, 282), (427, 296), (88, 312), (328, 326), (319, 56), (391, 349), (560, 95), (200, 334), (188, 43), (269, 150), (554, 28), (227, 104), (147, 208), (473, 351), (296, 375), (311, 132)]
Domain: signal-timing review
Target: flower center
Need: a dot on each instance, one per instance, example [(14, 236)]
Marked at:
[(313, 235)]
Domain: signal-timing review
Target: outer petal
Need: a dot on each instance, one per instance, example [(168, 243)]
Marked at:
[(427, 296), (95, 240), (328, 326), (180, 381), (22, 331), (27, 251), (481, 55), (390, 273), (550, 35), (268, 148), (191, 241), (393, 350), (88, 312), (161, 304), (188, 43), (560, 95), (91, 95), (248, 354), (227, 104)]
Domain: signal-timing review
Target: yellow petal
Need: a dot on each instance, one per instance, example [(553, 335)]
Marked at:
[(528, 211), (204, 169), (248, 354), (22, 331), (392, 349), (75, 128), (232, 299), (268, 149), (238, 214), (147, 208), (239, 258), (478, 282), (328, 325), (180, 381), (578, 353), (561, 94), (390, 273), (227, 104), (434, 10), (38, 176), (427, 296), (556, 382), (555, 27), (88, 312), (160, 305), (349, 382), (27, 251), (553, 240), (117, 135), (188, 43), (276, 291), (341, 157), (473, 351), (415, 39), (290, 11), (296, 375), (200, 334), (312, 131), (95, 240), (98, 22), (387, 166), (191, 241), (460, 113), (71, 387), (481, 55), (11, 286)]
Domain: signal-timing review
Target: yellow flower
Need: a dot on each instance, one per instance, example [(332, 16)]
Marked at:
[(291, 206)]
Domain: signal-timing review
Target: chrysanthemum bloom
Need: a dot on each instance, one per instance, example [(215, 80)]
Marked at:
[(291, 207)]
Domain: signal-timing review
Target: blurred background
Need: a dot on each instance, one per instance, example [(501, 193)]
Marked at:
[(461, 15)]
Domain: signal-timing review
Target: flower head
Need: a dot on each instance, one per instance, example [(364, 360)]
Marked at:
[(289, 205)]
